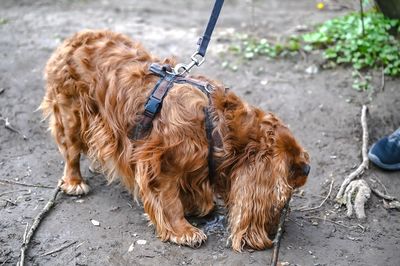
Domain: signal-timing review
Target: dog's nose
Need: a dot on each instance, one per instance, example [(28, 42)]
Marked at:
[(306, 169)]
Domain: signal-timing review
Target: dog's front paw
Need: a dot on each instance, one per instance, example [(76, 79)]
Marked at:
[(191, 236), (74, 187)]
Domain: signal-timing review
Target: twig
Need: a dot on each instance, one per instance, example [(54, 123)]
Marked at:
[(327, 220), (58, 249), (382, 195), (365, 161), (383, 80), (23, 184), (14, 191), (25, 232), (4, 262), (36, 223), (278, 237), (322, 203), (362, 17), (8, 126), (23, 241), (380, 183), (9, 201), (295, 222)]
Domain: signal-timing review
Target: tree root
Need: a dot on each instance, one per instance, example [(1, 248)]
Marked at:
[(358, 188), (364, 150), (360, 191)]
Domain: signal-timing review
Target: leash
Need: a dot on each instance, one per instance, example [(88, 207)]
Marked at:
[(198, 57)]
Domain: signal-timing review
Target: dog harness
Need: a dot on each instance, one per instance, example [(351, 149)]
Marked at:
[(169, 76), (154, 104)]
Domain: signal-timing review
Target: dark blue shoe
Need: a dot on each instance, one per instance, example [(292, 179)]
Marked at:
[(385, 153)]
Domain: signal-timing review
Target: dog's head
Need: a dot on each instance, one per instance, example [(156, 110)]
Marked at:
[(268, 164)]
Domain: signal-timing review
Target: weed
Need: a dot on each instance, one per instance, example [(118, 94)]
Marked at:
[(342, 42), (3, 21)]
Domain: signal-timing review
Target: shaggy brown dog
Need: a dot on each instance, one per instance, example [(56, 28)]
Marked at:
[(97, 84)]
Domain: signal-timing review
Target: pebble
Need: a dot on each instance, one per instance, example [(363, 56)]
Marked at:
[(95, 223), (141, 242), (313, 69), (130, 249)]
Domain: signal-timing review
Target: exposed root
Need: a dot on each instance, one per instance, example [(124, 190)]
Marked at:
[(365, 161), (360, 191), (382, 195), (392, 205)]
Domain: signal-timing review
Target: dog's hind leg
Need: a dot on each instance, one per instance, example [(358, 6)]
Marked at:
[(65, 126), (163, 206)]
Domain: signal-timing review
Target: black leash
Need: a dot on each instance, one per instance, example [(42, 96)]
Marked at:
[(199, 56), (203, 41)]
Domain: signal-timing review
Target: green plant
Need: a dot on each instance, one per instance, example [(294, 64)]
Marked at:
[(3, 21), (343, 41), (251, 47)]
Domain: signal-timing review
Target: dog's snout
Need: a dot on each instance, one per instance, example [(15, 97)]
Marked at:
[(306, 169)]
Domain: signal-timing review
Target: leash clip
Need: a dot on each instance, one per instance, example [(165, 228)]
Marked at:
[(197, 60)]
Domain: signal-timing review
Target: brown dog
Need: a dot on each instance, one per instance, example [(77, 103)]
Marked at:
[(97, 84)]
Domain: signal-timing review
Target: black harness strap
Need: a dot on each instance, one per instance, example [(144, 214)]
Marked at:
[(155, 100), (209, 132)]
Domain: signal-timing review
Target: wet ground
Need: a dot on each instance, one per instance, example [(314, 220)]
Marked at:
[(321, 109)]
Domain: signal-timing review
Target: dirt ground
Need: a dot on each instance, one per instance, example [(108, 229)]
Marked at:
[(321, 109)]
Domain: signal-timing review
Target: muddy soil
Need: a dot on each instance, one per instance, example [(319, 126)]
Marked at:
[(321, 109)]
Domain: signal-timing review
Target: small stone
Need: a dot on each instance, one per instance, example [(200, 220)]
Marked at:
[(141, 242), (310, 252), (79, 200), (315, 223), (95, 223), (313, 69), (130, 249)]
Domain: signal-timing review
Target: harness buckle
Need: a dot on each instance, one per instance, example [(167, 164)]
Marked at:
[(152, 106)]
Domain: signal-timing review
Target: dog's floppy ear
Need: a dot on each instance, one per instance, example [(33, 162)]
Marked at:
[(241, 122), (257, 194), (227, 101)]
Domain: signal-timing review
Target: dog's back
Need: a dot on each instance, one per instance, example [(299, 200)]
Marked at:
[(89, 78)]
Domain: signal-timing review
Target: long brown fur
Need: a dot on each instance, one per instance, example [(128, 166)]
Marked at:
[(97, 84)]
